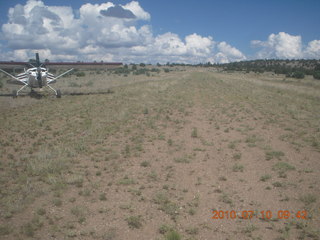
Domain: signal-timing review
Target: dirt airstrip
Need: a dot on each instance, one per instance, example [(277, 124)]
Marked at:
[(191, 153)]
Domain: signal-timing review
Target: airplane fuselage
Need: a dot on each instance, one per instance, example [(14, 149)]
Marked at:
[(36, 77)]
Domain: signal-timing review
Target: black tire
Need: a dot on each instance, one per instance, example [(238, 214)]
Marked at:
[(58, 93), (14, 94)]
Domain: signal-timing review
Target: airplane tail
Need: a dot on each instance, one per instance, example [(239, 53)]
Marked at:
[(38, 60)]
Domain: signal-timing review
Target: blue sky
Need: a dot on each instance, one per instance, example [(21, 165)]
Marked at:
[(219, 31)]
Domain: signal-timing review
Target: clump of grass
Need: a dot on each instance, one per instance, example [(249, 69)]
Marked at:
[(134, 221), (283, 166), (5, 230), (194, 133), (184, 159), (237, 156), (232, 145), (41, 211), (308, 199), (192, 230), (277, 184), (237, 168), (57, 202), (222, 178), (126, 181), (273, 154), (110, 234), (163, 229), (172, 235), (265, 177), (145, 164), (226, 199), (102, 197), (166, 205)]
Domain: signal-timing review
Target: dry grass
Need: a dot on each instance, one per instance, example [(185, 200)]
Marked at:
[(152, 159)]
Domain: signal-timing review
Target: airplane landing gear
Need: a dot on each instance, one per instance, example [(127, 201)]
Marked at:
[(58, 93), (14, 94)]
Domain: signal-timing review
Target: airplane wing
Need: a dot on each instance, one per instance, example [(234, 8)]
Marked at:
[(51, 78), (20, 79)]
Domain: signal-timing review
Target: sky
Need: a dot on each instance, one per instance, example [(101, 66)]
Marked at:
[(193, 31)]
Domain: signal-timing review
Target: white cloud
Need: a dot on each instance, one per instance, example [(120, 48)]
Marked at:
[(286, 46), (313, 49), (94, 34)]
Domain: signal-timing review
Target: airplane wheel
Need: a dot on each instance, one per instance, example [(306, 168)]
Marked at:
[(14, 94), (58, 93)]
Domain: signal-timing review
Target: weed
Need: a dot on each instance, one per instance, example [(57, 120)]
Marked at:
[(283, 167), (237, 156), (126, 181), (110, 234), (134, 221), (226, 199), (266, 177), (273, 154), (184, 159), (41, 211), (145, 164), (194, 133), (192, 230), (57, 202), (237, 168), (277, 184), (172, 235), (102, 197), (308, 199), (5, 230), (222, 178)]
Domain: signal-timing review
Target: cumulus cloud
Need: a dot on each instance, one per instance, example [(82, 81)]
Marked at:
[(118, 12), (105, 32), (286, 46)]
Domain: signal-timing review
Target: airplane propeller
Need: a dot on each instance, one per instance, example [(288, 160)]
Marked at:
[(39, 78)]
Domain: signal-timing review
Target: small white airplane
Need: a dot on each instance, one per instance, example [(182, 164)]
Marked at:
[(36, 77)]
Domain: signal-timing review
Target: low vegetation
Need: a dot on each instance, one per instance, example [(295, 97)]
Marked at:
[(150, 152)]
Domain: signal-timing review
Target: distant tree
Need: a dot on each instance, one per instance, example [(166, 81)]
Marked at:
[(142, 65), (134, 67), (299, 75), (316, 75)]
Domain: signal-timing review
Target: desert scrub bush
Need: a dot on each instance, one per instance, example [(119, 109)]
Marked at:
[(80, 74), (283, 167), (134, 221), (166, 205), (237, 168), (237, 156), (145, 164), (265, 177), (184, 159), (194, 132), (192, 230), (126, 181), (226, 199), (163, 229), (308, 199), (172, 235), (316, 75), (5, 230), (273, 154)]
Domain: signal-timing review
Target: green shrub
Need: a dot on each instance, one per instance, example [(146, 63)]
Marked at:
[(316, 75), (80, 74)]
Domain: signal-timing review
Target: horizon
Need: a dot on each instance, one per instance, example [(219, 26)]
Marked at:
[(140, 31)]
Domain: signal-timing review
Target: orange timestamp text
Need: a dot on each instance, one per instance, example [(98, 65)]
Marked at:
[(265, 214)]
